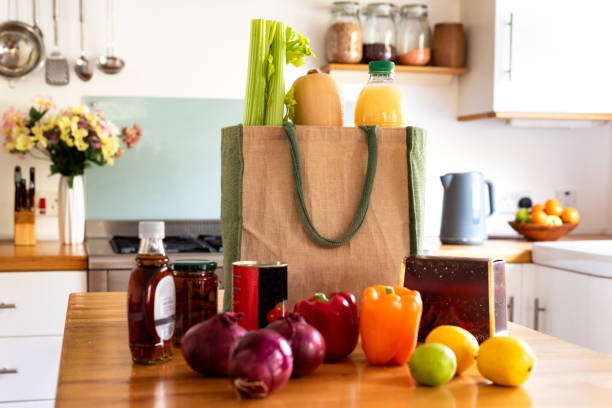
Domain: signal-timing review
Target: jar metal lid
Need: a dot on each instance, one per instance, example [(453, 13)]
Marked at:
[(195, 265), (380, 9)]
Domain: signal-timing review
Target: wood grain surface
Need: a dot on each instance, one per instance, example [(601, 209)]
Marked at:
[(96, 371), (517, 250), (44, 256)]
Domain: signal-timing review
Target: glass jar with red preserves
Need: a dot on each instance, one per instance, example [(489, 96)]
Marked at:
[(151, 298), (196, 294)]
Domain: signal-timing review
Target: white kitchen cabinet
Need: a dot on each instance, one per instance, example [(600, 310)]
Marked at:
[(573, 306), (35, 361), (32, 315), (536, 57), (34, 303), (514, 278)]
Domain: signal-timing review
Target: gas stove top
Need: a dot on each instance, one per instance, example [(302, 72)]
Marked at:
[(173, 244)]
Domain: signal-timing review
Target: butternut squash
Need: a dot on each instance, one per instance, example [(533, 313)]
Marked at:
[(318, 100)]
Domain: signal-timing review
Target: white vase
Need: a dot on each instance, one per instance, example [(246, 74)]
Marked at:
[(71, 211)]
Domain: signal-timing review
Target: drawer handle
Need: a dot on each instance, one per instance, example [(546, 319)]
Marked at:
[(511, 308), (8, 371), (536, 313), (8, 305)]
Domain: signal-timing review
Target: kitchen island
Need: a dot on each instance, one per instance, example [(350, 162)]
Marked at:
[(96, 371)]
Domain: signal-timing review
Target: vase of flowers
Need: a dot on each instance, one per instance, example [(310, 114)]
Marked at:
[(72, 139)]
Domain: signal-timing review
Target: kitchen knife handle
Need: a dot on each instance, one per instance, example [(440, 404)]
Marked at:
[(8, 371), (536, 313)]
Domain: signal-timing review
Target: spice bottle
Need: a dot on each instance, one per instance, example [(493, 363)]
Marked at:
[(380, 102), (151, 298), (343, 42), (413, 35), (379, 33), (196, 294)]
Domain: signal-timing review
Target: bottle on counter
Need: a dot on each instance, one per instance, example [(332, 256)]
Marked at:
[(343, 41), (413, 35), (151, 298), (196, 294), (379, 33), (381, 102)]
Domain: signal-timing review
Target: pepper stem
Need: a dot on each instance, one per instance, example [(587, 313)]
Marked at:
[(321, 296), (389, 290)]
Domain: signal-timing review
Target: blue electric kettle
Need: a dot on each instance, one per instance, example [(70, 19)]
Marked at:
[(463, 208)]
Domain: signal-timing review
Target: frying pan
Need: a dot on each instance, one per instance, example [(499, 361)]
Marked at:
[(22, 48)]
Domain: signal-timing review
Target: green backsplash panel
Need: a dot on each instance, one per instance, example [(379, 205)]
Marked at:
[(174, 172)]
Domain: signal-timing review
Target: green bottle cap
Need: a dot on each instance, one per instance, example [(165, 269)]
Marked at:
[(381, 66), (194, 266)]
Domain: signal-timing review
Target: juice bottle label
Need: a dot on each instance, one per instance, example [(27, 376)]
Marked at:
[(165, 308)]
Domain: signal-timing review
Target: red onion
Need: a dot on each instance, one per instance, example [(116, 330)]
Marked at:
[(206, 345), (307, 343), (260, 363)]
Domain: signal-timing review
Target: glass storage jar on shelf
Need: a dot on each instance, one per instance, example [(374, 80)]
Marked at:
[(343, 42), (379, 33), (413, 35)]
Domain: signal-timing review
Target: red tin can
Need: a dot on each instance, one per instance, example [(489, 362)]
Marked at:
[(258, 288)]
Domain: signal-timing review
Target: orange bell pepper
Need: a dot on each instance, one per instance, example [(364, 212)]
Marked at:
[(389, 323)]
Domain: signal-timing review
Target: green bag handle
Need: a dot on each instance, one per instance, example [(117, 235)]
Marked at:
[(298, 190)]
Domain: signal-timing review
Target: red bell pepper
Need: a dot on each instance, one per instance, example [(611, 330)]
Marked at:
[(335, 316)]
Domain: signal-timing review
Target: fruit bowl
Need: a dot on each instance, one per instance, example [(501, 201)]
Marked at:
[(539, 232)]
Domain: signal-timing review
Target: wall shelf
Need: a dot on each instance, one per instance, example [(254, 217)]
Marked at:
[(405, 74), (398, 68)]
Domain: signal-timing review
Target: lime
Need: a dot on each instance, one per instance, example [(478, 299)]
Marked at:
[(522, 215), (553, 220), (432, 364)]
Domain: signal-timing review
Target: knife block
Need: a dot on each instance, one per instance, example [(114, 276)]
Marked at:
[(466, 292), (25, 228)]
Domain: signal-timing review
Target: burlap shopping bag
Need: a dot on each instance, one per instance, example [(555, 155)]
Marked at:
[(341, 206)]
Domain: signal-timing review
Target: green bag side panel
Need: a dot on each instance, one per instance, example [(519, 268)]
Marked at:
[(415, 150), (232, 170)]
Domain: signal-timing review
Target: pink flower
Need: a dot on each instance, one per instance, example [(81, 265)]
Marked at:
[(131, 136)]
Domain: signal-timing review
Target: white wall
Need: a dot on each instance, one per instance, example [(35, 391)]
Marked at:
[(189, 48)]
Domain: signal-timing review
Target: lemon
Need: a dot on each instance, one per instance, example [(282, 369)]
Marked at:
[(461, 341), (506, 360)]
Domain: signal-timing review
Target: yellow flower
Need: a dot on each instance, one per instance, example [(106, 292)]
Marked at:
[(110, 145), (23, 142), (37, 132), (81, 145), (44, 102), (110, 161)]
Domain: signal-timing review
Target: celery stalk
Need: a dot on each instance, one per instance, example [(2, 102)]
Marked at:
[(276, 82), (254, 101)]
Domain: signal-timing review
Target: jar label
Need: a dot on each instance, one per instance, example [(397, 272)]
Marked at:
[(165, 308)]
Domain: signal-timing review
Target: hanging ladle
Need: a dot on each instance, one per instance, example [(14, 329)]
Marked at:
[(109, 63)]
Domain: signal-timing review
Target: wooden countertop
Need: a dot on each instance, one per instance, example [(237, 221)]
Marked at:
[(96, 371), (44, 256), (510, 250)]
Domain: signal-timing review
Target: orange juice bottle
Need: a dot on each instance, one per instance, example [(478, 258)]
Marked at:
[(380, 101)]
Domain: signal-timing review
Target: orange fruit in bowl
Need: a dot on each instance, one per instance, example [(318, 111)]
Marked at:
[(537, 207), (553, 207), (570, 216), (538, 217)]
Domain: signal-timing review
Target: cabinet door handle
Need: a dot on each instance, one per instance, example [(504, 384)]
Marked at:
[(536, 313), (510, 25), (8, 305), (511, 308), (8, 371)]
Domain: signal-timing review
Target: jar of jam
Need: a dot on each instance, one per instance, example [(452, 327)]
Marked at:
[(151, 298), (196, 294)]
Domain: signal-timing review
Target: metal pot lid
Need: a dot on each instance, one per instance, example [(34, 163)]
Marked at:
[(22, 49)]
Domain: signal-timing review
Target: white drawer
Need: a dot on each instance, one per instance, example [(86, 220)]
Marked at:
[(40, 300), (36, 360)]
